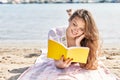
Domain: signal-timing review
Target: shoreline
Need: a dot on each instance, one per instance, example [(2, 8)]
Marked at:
[(16, 58), (37, 43)]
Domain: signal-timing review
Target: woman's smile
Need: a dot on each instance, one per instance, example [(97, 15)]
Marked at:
[(74, 32)]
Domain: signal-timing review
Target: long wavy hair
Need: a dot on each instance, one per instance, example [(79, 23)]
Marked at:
[(91, 39)]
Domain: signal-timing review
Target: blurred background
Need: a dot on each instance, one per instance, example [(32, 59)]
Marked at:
[(58, 1), (28, 21), (24, 27)]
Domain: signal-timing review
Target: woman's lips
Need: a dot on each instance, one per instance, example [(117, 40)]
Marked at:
[(73, 32)]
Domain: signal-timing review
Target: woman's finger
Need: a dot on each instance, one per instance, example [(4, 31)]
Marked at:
[(81, 37), (68, 60), (62, 58)]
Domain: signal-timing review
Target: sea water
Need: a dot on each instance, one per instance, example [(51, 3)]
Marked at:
[(31, 22)]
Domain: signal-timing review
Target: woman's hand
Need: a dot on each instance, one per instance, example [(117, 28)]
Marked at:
[(79, 39), (63, 63)]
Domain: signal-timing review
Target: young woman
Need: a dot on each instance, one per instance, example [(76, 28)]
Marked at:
[(81, 31)]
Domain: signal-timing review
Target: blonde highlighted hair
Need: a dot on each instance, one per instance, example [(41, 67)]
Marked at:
[(91, 39)]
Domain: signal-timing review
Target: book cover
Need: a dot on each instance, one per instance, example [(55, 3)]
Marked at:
[(56, 50)]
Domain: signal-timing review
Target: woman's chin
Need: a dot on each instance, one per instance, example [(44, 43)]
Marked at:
[(74, 37)]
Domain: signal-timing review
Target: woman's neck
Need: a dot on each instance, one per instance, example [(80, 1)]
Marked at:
[(70, 42)]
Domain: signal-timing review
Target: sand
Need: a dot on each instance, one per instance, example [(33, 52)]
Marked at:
[(16, 58)]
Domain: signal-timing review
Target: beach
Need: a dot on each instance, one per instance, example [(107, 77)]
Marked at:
[(16, 58), (21, 42)]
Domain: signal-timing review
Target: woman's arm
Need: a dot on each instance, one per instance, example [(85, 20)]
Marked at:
[(59, 63), (79, 39)]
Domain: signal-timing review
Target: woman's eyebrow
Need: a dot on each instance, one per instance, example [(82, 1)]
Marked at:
[(75, 22)]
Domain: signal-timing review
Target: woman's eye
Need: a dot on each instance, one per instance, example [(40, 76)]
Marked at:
[(82, 29), (74, 24)]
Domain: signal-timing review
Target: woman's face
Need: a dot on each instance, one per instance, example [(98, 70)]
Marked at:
[(76, 27)]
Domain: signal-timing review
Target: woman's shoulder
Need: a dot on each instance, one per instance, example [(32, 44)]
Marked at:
[(58, 34), (57, 31)]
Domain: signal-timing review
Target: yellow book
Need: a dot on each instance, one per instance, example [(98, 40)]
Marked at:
[(56, 50)]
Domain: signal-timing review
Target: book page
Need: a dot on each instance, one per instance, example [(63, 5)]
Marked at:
[(79, 54), (55, 50)]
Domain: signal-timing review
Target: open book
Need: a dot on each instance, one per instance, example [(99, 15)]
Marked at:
[(56, 50)]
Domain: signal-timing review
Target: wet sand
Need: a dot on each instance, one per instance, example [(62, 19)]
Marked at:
[(14, 60)]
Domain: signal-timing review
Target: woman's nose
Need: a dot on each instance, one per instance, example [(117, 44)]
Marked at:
[(76, 29)]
